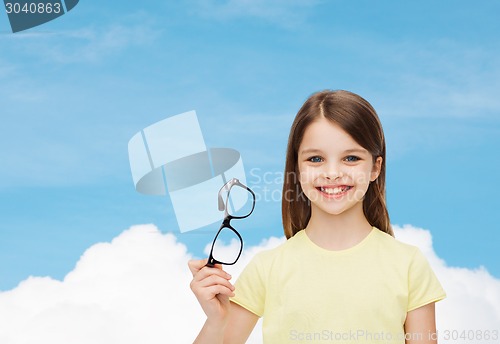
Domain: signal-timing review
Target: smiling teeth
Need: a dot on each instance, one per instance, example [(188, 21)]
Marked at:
[(334, 191)]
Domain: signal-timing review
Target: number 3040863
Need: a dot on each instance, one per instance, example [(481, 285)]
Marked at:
[(33, 8)]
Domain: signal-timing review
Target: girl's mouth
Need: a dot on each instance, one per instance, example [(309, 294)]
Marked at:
[(334, 191)]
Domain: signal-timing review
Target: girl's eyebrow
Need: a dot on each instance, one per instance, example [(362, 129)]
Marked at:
[(310, 151), (347, 151), (356, 150)]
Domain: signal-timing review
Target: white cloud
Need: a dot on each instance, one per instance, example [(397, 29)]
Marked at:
[(136, 290), (473, 295), (132, 290)]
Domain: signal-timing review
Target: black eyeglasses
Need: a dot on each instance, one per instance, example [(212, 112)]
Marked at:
[(235, 206)]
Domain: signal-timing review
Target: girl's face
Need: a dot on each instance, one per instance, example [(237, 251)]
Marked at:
[(334, 170)]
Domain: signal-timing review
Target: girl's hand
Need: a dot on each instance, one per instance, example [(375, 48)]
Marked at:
[(212, 288)]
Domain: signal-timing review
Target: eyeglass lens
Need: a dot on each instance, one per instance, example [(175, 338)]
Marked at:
[(227, 246), (239, 202)]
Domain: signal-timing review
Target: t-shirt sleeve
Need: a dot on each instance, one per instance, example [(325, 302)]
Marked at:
[(250, 287), (424, 286)]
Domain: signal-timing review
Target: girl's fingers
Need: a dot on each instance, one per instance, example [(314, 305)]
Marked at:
[(207, 271), (204, 281), (212, 280), (208, 283), (196, 265), (209, 293), (211, 287)]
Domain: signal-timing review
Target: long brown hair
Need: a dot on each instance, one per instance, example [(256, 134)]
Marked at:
[(358, 118)]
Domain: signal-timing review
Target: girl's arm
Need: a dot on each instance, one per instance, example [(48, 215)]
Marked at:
[(226, 322), (420, 325), (240, 325)]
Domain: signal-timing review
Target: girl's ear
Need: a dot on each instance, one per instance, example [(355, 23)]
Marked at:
[(377, 166)]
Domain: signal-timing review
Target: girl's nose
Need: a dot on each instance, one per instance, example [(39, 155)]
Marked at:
[(333, 171)]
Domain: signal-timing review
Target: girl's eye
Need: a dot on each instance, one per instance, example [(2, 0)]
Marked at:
[(315, 159), (351, 158)]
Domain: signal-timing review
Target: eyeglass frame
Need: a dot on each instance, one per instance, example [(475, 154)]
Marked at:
[(226, 222)]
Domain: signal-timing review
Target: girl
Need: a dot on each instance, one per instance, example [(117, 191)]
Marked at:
[(341, 276)]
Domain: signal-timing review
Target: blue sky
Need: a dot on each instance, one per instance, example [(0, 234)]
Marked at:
[(75, 90)]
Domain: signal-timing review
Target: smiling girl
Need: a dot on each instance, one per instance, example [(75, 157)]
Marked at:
[(341, 276)]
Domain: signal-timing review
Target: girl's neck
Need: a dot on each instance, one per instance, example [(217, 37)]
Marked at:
[(337, 232)]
